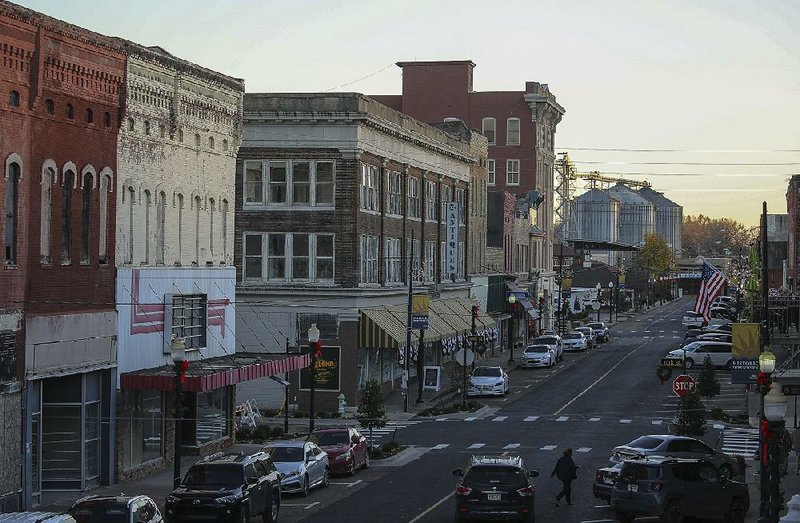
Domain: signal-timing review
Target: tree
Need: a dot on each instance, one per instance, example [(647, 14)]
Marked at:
[(706, 236), (656, 257), (691, 417), (707, 382), (371, 411)]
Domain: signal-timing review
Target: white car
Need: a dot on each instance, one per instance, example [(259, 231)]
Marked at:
[(575, 341), (301, 464), (538, 356), (554, 341), (692, 319), (488, 381), (696, 352)]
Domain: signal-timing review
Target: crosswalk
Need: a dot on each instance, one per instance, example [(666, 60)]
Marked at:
[(743, 442), (380, 434), (519, 447)]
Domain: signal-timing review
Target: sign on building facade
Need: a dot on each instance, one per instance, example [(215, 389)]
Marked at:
[(452, 263)]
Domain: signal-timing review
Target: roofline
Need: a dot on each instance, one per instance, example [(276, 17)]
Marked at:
[(429, 63)]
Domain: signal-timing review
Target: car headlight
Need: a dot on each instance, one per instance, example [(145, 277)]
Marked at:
[(342, 457), (171, 499), (226, 500), (292, 473)]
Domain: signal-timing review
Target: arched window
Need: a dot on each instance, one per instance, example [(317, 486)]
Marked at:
[(107, 119), (13, 99), (70, 111), (212, 208), (50, 106), (12, 208), (210, 142), (197, 140), (131, 227), (224, 145), (146, 127), (225, 230), (66, 217), (180, 135), (131, 125), (48, 177), (197, 229), (148, 202), (89, 116), (180, 228), (86, 209), (105, 188), (161, 211)]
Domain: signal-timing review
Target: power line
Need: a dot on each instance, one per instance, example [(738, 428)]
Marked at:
[(717, 151), (358, 80), (721, 164)]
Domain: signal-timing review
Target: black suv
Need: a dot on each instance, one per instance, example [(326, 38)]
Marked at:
[(675, 488), (227, 487), (496, 487)]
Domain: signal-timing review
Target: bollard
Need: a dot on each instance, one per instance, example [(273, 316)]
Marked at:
[(794, 510), (342, 403)]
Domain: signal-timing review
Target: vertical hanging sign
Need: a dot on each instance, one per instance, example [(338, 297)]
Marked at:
[(451, 242)]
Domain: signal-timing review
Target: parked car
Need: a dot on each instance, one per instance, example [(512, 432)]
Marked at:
[(488, 381), (679, 447), (301, 464), (724, 300), (35, 517), (603, 334), (591, 336), (722, 312), (538, 356), (691, 318), (696, 352), (347, 449), (575, 341), (554, 341), (114, 509), (724, 337), (495, 487), (604, 480), (227, 487), (674, 488)]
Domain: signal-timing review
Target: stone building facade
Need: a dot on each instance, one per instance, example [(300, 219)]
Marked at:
[(59, 118)]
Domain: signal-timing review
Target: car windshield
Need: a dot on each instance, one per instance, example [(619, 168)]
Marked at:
[(538, 348), (479, 477), (596, 326), (486, 372), (548, 340), (645, 442), (573, 336), (326, 439), (100, 512), (285, 454), (215, 476)]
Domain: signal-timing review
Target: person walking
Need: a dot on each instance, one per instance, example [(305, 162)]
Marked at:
[(785, 444), (796, 447), (565, 470)]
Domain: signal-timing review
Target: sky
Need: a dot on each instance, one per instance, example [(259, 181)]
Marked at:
[(713, 86)]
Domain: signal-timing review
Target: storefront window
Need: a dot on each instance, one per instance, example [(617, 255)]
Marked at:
[(145, 432), (212, 419)]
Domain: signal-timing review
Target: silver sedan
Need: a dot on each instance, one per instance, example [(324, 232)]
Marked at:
[(301, 464)]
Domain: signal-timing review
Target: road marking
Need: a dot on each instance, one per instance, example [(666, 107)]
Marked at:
[(657, 421), (598, 380), (511, 446), (584, 449), (660, 331), (441, 419), (562, 418), (531, 418), (305, 505), (431, 508), (500, 418), (646, 332), (624, 421), (594, 419), (548, 447), (312, 505), (354, 483), (441, 446), (476, 445), (528, 385), (471, 418)]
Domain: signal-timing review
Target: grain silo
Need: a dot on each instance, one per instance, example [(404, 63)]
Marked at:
[(636, 214), (669, 217)]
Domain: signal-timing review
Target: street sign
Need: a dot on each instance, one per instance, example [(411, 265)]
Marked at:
[(671, 363), (683, 385), (458, 357), (419, 321), (475, 337)]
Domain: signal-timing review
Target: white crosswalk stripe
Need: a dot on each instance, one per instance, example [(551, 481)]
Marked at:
[(562, 418), (476, 445), (583, 449), (625, 421), (594, 419), (531, 418), (740, 441), (471, 418), (500, 418), (549, 447), (440, 446), (511, 446)]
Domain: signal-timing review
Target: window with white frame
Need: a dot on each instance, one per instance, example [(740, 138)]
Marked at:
[(189, 319), (324, 183), (461, 260), (394, 261), (369, 187), (512, 131), (282, 182), (253, 182), (512, 172), (288, 257), (447, 196), (278, 178), (394, 194), (462, 204), (413, 197), (430, 201), (430, 261), (301, 183), (488, 125), (416, 276), (490, 171), (369, 259)]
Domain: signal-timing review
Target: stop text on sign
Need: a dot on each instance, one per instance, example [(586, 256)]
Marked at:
[(683, 385)]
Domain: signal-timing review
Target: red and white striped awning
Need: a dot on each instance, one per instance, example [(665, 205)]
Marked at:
[(214, 373)]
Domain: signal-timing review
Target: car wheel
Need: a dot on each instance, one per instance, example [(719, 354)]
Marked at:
[(304, 490), (736, 512), (689, 363), (325, 478), (726, 470), (270, 514), (673, 513), (366, 460), (244, 515), (623, 517), (352, 471)]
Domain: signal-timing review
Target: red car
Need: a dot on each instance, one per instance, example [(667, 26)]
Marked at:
[(346, 449)]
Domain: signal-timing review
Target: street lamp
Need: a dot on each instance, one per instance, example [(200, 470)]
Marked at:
[(773, 408), (610, 300), (598, 287), (512, 300), (313, 345), (178, 354)]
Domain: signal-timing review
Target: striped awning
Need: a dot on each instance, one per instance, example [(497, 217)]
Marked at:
[(214, 373)]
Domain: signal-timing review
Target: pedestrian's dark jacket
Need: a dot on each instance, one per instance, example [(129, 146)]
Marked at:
[(565, 469)]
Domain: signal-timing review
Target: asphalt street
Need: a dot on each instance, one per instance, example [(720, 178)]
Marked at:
[(591, 402)]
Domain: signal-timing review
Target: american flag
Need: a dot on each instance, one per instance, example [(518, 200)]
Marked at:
[(710, 287)]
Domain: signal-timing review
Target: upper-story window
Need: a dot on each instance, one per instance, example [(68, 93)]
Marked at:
[(147, 127), (162, 131), (369, 187), (447, 196), (210, 142), (512, 172), (50, 106), (413, 197), (369, 259), (197, 140), (107, 119), (490, 171), (86, 212), (289, 182), (430, 200), (224, 145), (11, 210), (512, 131), (288, 257), (180, 135), (13, 99), (66, 217), (189, 313), (89, 116), (462, 204), (488, 126), (394, 194), (394, 260), (70, 111), (131, 124)]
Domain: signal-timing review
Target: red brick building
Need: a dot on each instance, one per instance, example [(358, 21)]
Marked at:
[(60, 99), (792, 208)]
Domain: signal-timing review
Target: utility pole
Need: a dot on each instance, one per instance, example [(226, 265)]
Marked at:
[(764, 510), (420, 366), (407, 351), (559, 330), (474, 333), (286, 396)]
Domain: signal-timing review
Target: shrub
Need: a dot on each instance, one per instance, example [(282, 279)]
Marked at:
[(277, 432), (244, 434), (389, 446)]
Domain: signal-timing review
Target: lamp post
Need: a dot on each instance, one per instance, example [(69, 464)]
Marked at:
[(512, 300), (313, 345), (774, 411), (610, 300), (599, 288), (178, 353), (766, 364)]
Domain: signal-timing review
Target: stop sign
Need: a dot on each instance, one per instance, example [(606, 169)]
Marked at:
[(683, 385)]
